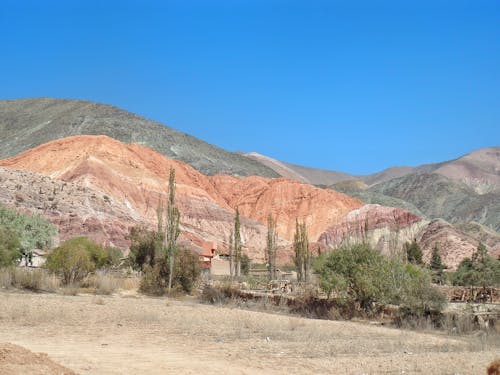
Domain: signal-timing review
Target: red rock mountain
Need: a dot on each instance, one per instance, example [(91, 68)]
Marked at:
[(137, 177)]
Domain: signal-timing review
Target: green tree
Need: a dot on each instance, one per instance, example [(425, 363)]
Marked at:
[(237, 243), (302, 252), (361, 274), (33, 231), (145, 246), (272, 238), (172, 229), (231, 254), (413, 252), (482, 270), (9, 248), (436, 265)]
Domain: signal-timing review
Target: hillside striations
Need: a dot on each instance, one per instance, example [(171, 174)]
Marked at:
[(137, 177), (27, 123)]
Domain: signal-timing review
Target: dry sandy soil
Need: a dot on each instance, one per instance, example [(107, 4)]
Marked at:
[(128, 334)]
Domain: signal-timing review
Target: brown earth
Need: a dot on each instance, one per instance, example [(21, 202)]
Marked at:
[(129, 334), (15, 360)]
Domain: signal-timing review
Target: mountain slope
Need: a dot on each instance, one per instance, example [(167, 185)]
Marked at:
[(440, 197), (138, 177), (480, 170), (313, 176), (27, 123)]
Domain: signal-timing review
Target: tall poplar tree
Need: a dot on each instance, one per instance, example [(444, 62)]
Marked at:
[(172, 229), (271, 246), (237, 243), (302, 258)]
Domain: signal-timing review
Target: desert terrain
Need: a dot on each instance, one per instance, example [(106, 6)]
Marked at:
[(133, 334)]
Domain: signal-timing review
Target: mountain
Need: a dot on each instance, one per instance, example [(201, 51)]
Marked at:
[(137, 178), (440, 197), (27, 123), (311, 176), (388, 228), (479, 170)]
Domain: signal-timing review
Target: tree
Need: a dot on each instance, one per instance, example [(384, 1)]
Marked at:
[(436, 265), (237, 243), (231, 253), (9, 248), (413, 252), (482, 270), (271, 246), (172, 229), (33, 231), (361, 274), (302, 257), (145, 247)]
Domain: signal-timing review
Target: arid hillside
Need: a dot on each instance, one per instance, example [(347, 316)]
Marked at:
[(137, 178)]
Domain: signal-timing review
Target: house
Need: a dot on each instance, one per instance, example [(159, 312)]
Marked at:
[(205, 257)]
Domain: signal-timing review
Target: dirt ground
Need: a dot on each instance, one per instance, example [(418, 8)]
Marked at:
[(16, 360), (129, 334)]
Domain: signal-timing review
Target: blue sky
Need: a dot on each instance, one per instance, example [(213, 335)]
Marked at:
[(342, 85)]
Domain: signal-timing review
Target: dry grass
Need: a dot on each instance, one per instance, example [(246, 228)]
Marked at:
[(158, 335), (33, 279)]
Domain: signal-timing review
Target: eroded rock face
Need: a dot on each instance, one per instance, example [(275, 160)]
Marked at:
[(385, 228), (453, 244), (286, 200), (76, 210), (388, 228)]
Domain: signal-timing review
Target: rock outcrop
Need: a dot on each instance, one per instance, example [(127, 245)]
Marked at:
[(286, 200), (385, 228)]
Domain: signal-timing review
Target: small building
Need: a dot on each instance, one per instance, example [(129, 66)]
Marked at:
[(205, 257)]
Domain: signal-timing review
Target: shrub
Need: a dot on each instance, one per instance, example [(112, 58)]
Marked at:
[(144, 245), (9, 248), (186, 273), (187, 270), (75, 258), (28, 278), (360, 274), (482, 270)]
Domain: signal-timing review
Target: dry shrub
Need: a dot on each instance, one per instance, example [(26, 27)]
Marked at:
[(32, 279), (101, 282), (5, 278), (212, 295), (70, 289), (494, 368)]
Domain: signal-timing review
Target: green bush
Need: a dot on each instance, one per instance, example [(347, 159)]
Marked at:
[(9, 248), (187, 270), (186, 273), (144, 245), (482, 270), (75, 258), (360, 274)]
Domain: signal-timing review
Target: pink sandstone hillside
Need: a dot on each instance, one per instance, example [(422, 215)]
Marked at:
[(136, 177), (286, 200), (388, 228)]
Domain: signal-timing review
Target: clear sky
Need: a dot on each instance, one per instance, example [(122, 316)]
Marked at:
[(342, 85)]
